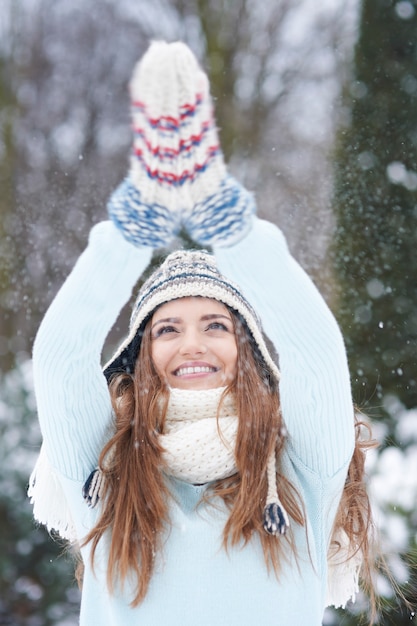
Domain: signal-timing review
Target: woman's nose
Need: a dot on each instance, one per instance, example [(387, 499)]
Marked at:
[(192, 343)]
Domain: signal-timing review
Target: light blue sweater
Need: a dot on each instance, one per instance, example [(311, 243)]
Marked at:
[(196, 582)]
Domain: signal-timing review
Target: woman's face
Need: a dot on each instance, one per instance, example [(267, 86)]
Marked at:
[(194, 344)]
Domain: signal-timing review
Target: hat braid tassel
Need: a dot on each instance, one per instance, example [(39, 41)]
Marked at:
[(93, 487), (276, 520)]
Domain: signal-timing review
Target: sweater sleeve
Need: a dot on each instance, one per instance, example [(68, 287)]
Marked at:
[(71, 392), (315, 388)]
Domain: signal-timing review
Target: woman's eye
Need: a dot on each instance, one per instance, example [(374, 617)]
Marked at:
[(164, 330), (217, 326)]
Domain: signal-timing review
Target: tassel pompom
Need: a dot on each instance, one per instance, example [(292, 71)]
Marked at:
[(276, 520), (93, 488)]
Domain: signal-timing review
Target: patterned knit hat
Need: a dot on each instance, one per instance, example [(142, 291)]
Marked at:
[(184, 274)]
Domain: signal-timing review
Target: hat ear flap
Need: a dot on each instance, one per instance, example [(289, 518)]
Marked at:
[(120, 364)]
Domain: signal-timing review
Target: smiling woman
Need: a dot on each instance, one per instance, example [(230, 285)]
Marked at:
[(201, 483)]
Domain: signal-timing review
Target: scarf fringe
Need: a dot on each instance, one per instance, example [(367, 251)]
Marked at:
[(50, 506)]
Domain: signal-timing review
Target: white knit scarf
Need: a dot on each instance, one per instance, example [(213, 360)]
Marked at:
[(199, 444)]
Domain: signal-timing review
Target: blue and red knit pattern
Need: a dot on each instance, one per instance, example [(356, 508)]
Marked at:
[(160, 142), (177, 173), (143, 224), (224, 217)]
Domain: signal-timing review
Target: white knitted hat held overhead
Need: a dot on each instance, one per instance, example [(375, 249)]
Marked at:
[(194, 273)]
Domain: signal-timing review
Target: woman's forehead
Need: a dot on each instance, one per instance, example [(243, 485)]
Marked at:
[(190, 304)]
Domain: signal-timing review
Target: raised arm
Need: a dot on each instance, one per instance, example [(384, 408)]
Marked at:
[(315, 387), (71, 391)]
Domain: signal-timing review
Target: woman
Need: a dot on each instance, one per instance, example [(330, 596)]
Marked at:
[(203, 484)]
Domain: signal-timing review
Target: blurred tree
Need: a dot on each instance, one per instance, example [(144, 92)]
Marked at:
[(70, 141), (240, 65), (8, 269), (376, 210), (376, 206)]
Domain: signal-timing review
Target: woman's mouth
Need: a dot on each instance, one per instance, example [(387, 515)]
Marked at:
[(190, 370)]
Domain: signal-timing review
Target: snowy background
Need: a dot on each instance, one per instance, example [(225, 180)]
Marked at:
[(283, 80)]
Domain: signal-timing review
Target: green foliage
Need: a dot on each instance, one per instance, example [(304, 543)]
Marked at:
[(376, 207), (375, 204)]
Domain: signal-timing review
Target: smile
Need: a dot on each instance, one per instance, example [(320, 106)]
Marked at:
[(198, 369)]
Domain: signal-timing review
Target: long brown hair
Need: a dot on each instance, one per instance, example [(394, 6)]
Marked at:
[(135, 503)]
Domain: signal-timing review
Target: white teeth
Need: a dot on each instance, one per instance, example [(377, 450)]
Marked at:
[(194, 370)]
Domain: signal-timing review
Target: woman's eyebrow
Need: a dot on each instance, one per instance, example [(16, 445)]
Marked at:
[(169, 320), (204, 318), (211, 316)]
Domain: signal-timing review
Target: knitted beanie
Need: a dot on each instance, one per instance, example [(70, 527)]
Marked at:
[(184, 274), (177, 174)]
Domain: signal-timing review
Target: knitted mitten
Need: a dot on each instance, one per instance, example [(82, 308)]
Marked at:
[(177, 173), (146, 206), (216, 209)]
